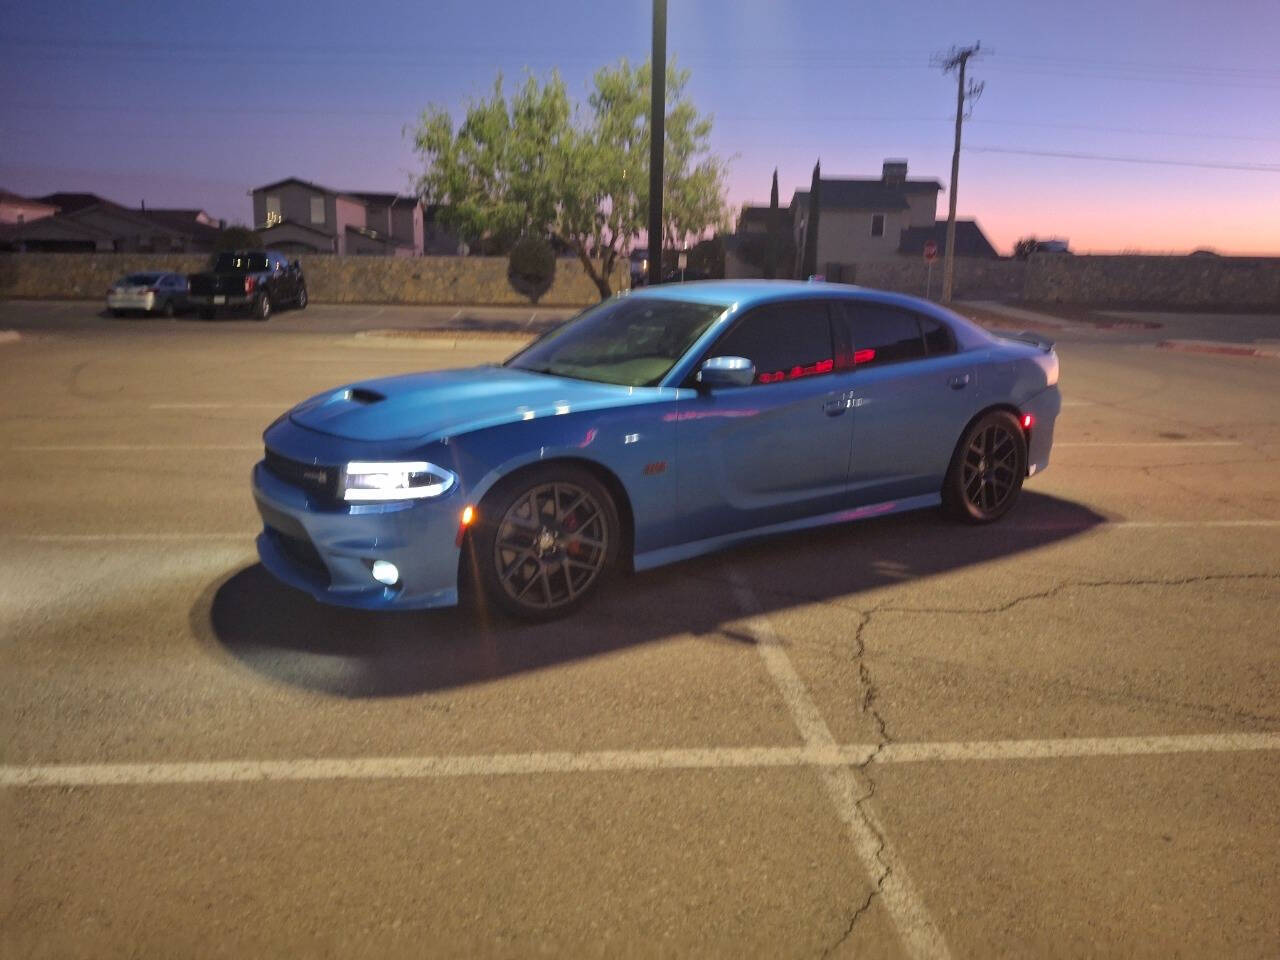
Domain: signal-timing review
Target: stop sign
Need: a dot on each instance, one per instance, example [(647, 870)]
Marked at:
[(930, 250)]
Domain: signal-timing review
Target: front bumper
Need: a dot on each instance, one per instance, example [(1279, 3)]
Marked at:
[(328, 550)]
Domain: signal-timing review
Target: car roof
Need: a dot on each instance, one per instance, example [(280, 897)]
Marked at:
[(747, 293)]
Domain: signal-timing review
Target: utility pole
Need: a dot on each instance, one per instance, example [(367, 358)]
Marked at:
[(956, 59), (657, 136)]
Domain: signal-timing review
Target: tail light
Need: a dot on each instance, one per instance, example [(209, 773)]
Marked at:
[(249, 284)]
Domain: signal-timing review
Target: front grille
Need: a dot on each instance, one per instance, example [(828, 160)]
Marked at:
[(301, 553), (321, 482)]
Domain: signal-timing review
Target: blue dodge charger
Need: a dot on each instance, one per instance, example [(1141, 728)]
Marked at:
[(655, 426)]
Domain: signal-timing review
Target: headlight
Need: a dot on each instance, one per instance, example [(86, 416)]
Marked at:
[(395, 481)]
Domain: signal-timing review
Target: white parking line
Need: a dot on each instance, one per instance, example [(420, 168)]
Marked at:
[(126, 537), (130, 447), (529, 764), (281, 405), (847, 788), (1148, 443)]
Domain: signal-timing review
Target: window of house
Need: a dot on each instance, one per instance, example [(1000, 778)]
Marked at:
[(882, 334), (785, 341), (273, 211), (877, 224), (317, 209)]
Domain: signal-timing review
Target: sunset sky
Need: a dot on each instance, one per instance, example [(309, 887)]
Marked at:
[(185, 104)]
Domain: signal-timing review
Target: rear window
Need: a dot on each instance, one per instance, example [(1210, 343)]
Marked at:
[(240, 263), (884, 334)]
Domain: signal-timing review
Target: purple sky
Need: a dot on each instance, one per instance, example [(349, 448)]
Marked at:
[(185, 104)]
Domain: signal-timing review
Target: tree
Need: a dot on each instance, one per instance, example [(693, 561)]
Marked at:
[(1024, 248), (809, 265), (237, 238), (528, 167)]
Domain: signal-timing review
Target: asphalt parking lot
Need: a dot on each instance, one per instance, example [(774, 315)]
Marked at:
[(1056, 736)]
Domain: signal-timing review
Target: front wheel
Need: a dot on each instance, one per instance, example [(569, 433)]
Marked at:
[(544, 542), (262, 308), (302, 298), (987, 469)]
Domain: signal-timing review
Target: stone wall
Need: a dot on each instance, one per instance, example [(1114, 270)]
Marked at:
[(1220, 283), (975, 278), (463, 281)]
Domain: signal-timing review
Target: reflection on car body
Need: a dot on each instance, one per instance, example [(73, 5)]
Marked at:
[(656, 426)]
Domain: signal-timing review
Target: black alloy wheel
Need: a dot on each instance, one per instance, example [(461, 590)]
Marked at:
[(168, 310), (987, 469), (262, 307), (302, 298), (545, 542)]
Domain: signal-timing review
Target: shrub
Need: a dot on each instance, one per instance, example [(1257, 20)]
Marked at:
[(531, 267)]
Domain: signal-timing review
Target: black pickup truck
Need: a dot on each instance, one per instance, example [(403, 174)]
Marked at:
[(257, 281)]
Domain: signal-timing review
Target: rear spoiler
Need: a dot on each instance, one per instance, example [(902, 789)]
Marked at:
[(1026, 336)]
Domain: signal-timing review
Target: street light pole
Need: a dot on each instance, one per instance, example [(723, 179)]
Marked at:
[(657, 136)]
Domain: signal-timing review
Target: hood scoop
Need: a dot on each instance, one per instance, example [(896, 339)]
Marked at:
[(364, 395)]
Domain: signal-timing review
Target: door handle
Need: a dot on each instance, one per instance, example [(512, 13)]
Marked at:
[(960, 381), (833, 406)]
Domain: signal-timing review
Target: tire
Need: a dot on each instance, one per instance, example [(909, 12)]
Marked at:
[(987, 469), (117, 313), (168, 310), (544, 541), (262, 308), (206, 314), (301, 302)]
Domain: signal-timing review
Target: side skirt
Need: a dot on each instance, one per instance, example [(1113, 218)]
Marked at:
[(683, 551)]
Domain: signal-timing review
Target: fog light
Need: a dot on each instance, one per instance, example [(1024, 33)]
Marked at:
[(384, 571)]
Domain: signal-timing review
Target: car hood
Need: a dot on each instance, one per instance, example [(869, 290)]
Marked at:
[(445, 403)]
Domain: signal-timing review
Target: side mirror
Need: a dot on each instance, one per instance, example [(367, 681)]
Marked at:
[(726, 372)]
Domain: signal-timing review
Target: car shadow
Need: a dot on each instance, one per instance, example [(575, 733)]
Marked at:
[(285, 635)]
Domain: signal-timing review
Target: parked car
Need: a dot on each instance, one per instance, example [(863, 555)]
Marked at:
[(163, 293), (655, 426), (252, 281)]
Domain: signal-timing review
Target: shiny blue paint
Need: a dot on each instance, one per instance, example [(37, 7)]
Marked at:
[(741, 461)]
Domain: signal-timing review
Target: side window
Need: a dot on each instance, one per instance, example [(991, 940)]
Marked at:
[(877, 225), (785, 341), (883, 334), (937, 336), (317, 209)]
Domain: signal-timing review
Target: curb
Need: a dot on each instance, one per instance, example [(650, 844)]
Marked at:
[(1220, 348)]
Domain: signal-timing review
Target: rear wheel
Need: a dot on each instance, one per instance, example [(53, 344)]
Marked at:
[(545, 541), (302, 298), (117, 313), (168, 310), (987, 469), (262, 308), (206, 314)]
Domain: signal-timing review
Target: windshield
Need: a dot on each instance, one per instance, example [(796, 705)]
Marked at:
[(239, 263), (633, 342), (140, 279)]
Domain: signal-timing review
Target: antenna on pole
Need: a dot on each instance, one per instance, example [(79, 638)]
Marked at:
[(956, 59)]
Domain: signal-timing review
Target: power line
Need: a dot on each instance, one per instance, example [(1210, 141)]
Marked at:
[(1160, 161)]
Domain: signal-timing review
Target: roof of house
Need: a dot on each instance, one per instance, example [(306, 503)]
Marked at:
[(862, 193), (181, 221), (970, 240), (317, 187), (758, 216)]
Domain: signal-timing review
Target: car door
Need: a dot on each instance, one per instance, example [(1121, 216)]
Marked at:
[(912, 395), (775, 450)]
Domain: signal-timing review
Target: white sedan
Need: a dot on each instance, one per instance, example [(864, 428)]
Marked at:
[(163, 293)]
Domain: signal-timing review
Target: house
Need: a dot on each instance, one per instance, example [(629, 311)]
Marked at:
[(763, 233), (18, 210), (299, 216), (864, 219), (86, 222)]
